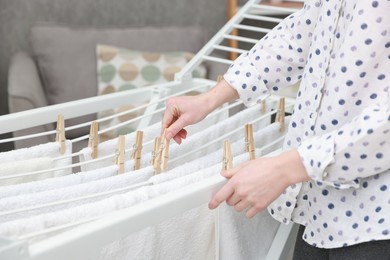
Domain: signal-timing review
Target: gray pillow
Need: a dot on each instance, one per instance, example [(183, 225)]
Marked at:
[(66, 57)]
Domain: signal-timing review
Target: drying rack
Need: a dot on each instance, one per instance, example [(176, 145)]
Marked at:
[(82, 242)]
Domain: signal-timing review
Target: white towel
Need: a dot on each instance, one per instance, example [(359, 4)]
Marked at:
[(75, 191), (164, 240), (261, 137), (188, 235), (26, 166), (108, 148), (88, 209), (43, 150), (56, 183), (149, 133), (243, 238), (215, 131)]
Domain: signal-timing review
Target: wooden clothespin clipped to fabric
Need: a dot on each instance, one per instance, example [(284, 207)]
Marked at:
[(165, 153), (219, 78), (161, 160), (156, 145), (263, 106), (93, 140), (60, 133), (120, 154), (249, 142), (227, 161), (137, 149), (280, 114)]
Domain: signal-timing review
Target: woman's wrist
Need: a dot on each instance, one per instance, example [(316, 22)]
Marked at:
[(219, 95), (291, 167)]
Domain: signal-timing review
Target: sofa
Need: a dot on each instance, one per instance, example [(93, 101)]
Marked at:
[(18, 17), (62, 65)]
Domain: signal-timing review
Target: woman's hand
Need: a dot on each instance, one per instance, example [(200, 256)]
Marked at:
[(181, 112), (187, 110), (255, 184)]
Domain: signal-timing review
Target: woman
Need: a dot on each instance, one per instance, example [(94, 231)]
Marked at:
[(333, 177)]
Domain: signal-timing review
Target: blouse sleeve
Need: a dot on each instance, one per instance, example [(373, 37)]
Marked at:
[(277, 60), (357, 150)]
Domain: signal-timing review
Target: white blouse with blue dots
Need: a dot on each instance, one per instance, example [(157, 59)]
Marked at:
[(340, 50)]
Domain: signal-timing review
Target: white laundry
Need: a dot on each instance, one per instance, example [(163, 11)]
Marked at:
[(43, 150), (143, 245), (149, 133), (89, 210), (75, 191), (189, 234), (262, 138), (243, 238), (9, 169), (59, 182), (212, 133), (108, 148)]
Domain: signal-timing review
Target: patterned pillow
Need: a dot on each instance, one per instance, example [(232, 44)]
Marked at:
[(122, 69)]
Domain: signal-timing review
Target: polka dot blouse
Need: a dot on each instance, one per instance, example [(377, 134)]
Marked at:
[(340, 51)]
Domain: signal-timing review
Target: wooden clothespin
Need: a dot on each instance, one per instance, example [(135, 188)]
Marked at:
[(227, 162), (263, 106), (137, 149), (159, 154), (249, 142), (277, 116), (219, 78), (164, 155), (156, 145), (120, 154), (161, 160), (281, 113), (60, 133), (93, 140)]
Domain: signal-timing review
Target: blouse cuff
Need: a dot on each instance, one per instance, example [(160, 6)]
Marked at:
[(245, 78), (317, 154), (282, 208)]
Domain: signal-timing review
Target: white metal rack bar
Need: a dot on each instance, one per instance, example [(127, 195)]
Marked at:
[(282, 10), (204, 53), (251, 28), (262, 18), (240, 38), (251, 10), (45, 115), (230, 49)]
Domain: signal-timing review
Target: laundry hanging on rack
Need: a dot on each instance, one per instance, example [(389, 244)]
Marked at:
[(22, 161), (263, 138), (108, 148), (85, 210), (71, 192), (210, 134), (59, 182), (125, 200), (25, 166), (149, 133), (200, 133), (243, 238)]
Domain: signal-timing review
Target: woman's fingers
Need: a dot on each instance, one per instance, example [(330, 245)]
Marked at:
[(224, 193), (233, 200), (176, 127), (230, 173), (241, 205)]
